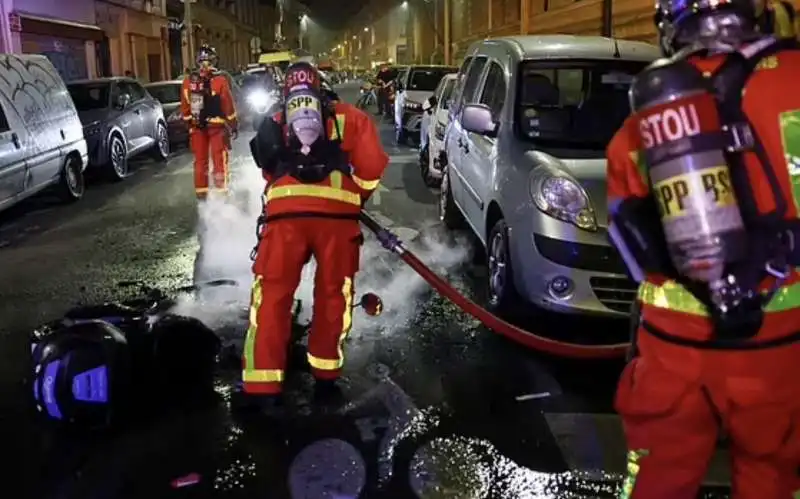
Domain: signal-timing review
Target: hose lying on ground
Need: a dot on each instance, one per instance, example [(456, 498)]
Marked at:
[(392, 243)]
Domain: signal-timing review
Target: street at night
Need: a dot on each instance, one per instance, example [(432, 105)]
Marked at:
[(438, 406)]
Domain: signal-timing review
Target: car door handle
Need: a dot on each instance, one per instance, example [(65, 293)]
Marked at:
[(63, 135), (15, 140), (138, 111)]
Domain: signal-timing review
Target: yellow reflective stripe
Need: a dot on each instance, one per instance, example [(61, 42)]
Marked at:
[(367, 185), (314, 191), (216, 120), (262, 376), (231, 117), (335, 179), (633, 467), (673, 296), (187, 118), (347, 324), (340, 120), (783, 25), (250, 373)]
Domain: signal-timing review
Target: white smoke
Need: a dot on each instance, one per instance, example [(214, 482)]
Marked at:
[(227, 234)]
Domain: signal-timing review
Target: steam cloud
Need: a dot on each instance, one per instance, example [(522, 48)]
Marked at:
[(226, 233)]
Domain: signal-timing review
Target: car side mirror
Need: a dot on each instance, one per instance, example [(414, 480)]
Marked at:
[(123, 101), (477, 118)]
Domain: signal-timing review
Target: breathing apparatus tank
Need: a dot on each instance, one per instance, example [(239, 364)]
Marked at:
[(684, 151), (313, 156), (304, 107)]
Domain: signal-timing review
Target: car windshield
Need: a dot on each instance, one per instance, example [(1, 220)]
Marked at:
[(427, 79), (88, 96), (260, 79), (575, 104), (167, 93), (447, 93)]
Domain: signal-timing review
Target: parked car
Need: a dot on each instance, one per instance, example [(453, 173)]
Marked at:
[(526, 167), (414, 86), (432, 155), (120, 120), (168, 93), (41, 137)]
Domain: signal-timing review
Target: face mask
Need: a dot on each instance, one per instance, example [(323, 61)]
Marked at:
[(304, 117)]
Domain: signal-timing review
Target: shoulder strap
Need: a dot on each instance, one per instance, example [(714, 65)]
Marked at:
[(727, 83)]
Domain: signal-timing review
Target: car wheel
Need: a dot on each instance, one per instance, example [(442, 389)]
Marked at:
[(161, 147), (500, 288), (117, 158), (425, 161), (72, 184), (448, 211)]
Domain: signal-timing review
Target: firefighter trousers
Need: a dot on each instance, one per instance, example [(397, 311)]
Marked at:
[(211, 139), (673, 418), (285, 248)]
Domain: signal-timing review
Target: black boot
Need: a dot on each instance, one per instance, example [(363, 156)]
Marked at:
[(249, 403), (328, 395)]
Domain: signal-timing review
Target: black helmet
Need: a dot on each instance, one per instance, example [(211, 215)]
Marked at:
[(714, 24), (80, 371), (206, 56)]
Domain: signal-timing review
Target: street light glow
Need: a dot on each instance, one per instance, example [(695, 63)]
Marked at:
[(404, 5), (304, 18)]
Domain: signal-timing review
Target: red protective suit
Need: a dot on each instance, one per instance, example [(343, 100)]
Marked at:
[(674, 400), (208, 108), (292, 235)]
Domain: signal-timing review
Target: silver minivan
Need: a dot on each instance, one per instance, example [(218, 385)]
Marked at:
[(525, 167), (41, 137)]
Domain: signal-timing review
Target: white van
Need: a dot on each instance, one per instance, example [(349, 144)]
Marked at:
[(41, 136)]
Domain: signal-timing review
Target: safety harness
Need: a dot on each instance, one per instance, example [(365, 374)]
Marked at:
[(310, 169), (212, 103)]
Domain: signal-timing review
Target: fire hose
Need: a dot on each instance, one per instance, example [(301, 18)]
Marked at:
[(391, 242)]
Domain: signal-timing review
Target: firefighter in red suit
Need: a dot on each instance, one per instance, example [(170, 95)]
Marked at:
[(322, 159), (208, 109), (714, 354)]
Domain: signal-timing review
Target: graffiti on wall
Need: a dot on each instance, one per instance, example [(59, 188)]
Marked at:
[(67, 55), (31, 91)]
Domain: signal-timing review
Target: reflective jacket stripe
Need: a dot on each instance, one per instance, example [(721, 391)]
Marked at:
[(333, 191), (339, 127), (673, 296)]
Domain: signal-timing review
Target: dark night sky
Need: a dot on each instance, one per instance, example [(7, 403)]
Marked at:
[(333, 14)]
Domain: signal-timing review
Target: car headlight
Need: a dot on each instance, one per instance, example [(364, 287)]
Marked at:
[(260, 101), (564, 199), (413, 106)]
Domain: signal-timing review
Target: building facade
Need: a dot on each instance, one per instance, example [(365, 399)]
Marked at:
[(233, 28), (66, 32), (136, 39), (440, 31)]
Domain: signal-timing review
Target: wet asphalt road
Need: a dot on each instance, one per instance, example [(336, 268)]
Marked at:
[(437, 404)]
